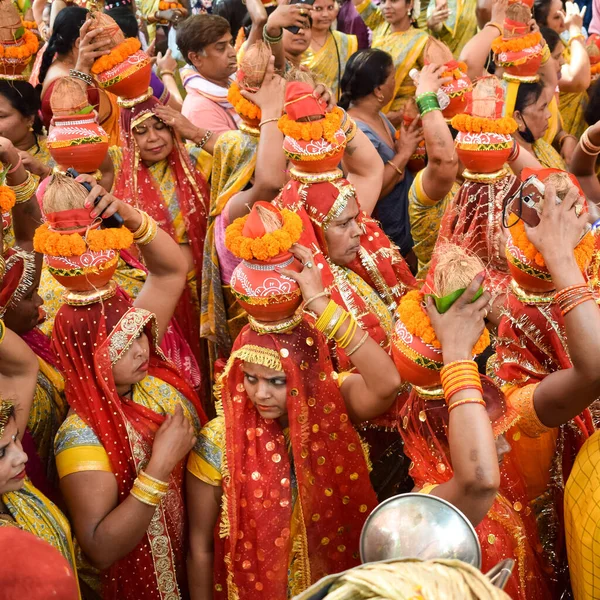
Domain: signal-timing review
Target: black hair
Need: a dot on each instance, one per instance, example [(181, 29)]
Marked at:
[(125, 19), (65, 33), (552, 38), (541, 11), (25, 99), (592, 111), (366, 70), (528, 94)]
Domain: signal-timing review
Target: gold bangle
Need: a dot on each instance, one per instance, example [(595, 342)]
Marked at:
[(152, 491), (25, 191), (348, 334), (150, 234), (362, 340), (396, 167), (496, 25), (334, 322), (319, 295), (2, 267), (166, 72), (142, 496), (149, 480), (267, 121), (326, 315), (2, 330)]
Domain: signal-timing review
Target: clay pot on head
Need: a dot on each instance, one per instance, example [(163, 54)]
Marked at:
[(483, 152), (527, 274), (316, 156), (77, 141), (130, 78), (85, 273), (264, 293), (417, 362)]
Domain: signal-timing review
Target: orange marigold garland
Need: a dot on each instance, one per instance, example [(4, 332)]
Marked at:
[(30, 24), (169, 5), (583, 251), (268, 245), (457, 72), (7, 198), (469, 124), (25, 50), (325, 128), (595, 69), (54, 243), (516, 44), (117, 55), (243, 107), (417, 322)]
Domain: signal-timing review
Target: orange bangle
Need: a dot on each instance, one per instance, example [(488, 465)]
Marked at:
[(569, 308), (460, 377), (459, 367), (448, 395), (452, 406)]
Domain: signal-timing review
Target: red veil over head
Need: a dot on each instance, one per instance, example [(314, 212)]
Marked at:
[(473, 221), (87, 340), (263, 519), (508, 530), (378, 262), (136, 185)]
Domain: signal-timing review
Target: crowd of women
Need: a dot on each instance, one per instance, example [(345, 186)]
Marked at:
[(365, 262)]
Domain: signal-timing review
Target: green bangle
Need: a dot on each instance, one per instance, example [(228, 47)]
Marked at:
[(424, 112), (427, 104), (272, 40), (426, 95)]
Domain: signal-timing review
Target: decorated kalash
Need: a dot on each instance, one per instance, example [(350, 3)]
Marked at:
[(368, 276), (532, 344), (484, 144), (126, 70), (296, 485), (75, 139), (504, 532)]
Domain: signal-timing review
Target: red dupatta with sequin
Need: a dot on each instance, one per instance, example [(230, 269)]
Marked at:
[(135, 184), (508, 530), (262, 526), (473, 221), (82, 339), (379, 263)]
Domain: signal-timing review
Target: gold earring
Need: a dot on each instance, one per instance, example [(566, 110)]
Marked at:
[(31, 129)]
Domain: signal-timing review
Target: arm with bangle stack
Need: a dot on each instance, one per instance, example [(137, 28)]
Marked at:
[(107, 529), (476, 475), (584, 162), (370, 393)]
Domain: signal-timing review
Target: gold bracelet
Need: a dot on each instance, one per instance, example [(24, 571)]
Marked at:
[(149, 480), (150, 234), (396, 167), (334, 322), (348, 334), (362, 340), (143, 497), (319, 295), (2, 267), (152, 491), (166, 72), (2, 330), (496, 25), (25, 191), (267, 121), (326, 315)]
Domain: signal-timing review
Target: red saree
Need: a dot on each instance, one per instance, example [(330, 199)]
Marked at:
[(135, 184), (301, 510), (473, 221), (87, 339)]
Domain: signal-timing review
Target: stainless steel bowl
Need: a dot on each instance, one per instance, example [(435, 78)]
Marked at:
[(418, 526)]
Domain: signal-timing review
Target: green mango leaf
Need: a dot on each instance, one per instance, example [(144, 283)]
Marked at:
[(19, 33), (445, 302), (86, 111)]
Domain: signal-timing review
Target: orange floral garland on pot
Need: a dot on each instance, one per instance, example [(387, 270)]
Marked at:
[(417, 322), (23, 51), (117, 55), (243, 107), (468, 124), (54, 243), (7, 198), (325, 128), (266, 246)]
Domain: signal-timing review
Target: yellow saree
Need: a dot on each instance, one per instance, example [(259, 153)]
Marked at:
[(405, 47), (555, 121), (572, 108), (582, 521), (547, 155), (33, 512), (329, 63), (234, 160), (459, 27)]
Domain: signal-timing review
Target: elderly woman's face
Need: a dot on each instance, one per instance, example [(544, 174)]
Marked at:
[(343, 235), (154, 139)]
